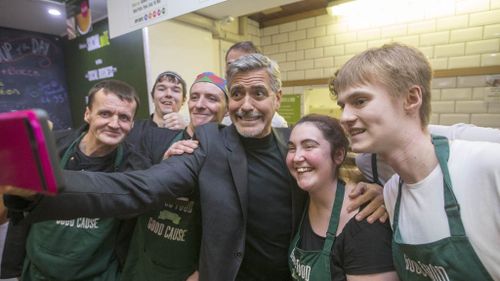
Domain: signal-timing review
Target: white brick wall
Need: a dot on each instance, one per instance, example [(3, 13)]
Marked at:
[(323, 62), (305, 64), (287, 47), (287, 27), (450, 119), (293, 56), (449, 50), (471, 81), (396, 30), (462, 100), (490, 59), (305, 44), (453, 22), (440, 83), (279, 38), (489, 17), (486, 120), (491, 31), (483, 46), (467, 35), (333, 51), (422, 27), (314, 53), (471, 107), (324, 41), (468, 6), (412, 40), (456, 94), (354, 48), (443, 107), (435, 38), (465, 61), (316, 32)]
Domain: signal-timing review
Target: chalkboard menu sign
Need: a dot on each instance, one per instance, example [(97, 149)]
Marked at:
[(93, 57), (32, 74)]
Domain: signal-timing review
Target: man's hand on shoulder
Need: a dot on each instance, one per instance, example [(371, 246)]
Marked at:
[(181, 147), (372, 193)]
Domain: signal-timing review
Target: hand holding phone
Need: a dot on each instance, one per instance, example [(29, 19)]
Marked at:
[(27, 152)]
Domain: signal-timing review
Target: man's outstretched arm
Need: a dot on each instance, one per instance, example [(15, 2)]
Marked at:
[(95, 194)]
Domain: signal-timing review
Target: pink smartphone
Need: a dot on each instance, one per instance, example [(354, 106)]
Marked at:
[(28, 155)]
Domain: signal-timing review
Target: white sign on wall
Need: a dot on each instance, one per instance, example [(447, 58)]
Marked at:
[(492, 93), (129, 15)]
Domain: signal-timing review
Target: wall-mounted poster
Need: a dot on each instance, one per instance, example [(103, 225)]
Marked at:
[(32, 74), (93, 57), (290, 108)]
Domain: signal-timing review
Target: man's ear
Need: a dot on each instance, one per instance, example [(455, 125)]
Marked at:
[(413, 100), (278, 100), (86, 115)]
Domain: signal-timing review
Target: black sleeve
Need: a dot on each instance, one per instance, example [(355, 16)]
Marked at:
[(134, 159), (363, 248), (155, 141), (14, 251)]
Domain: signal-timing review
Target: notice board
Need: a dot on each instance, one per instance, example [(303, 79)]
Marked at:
[(94, 57), (32, 74)]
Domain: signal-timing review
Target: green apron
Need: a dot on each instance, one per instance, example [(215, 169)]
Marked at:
[(451, 258), (166, 242), (315, 265), (78, 249)]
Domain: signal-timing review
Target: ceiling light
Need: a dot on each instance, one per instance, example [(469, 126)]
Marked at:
[(337, 7), (54, 12)]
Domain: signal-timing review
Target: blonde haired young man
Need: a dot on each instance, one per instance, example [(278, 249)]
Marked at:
[(444, 200)]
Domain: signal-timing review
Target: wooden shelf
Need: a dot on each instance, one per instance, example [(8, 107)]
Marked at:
[(472, 71)]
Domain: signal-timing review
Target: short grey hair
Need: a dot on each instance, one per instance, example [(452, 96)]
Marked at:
[(255, 62)]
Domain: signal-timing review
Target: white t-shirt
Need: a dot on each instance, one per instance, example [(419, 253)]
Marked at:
[(475, 175)]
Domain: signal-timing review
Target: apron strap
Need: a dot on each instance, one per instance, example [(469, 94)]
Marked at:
[(452, 208), (375, 178), (334, 218), (395, 220), (451, 205), (70, 150), (177, 138)]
